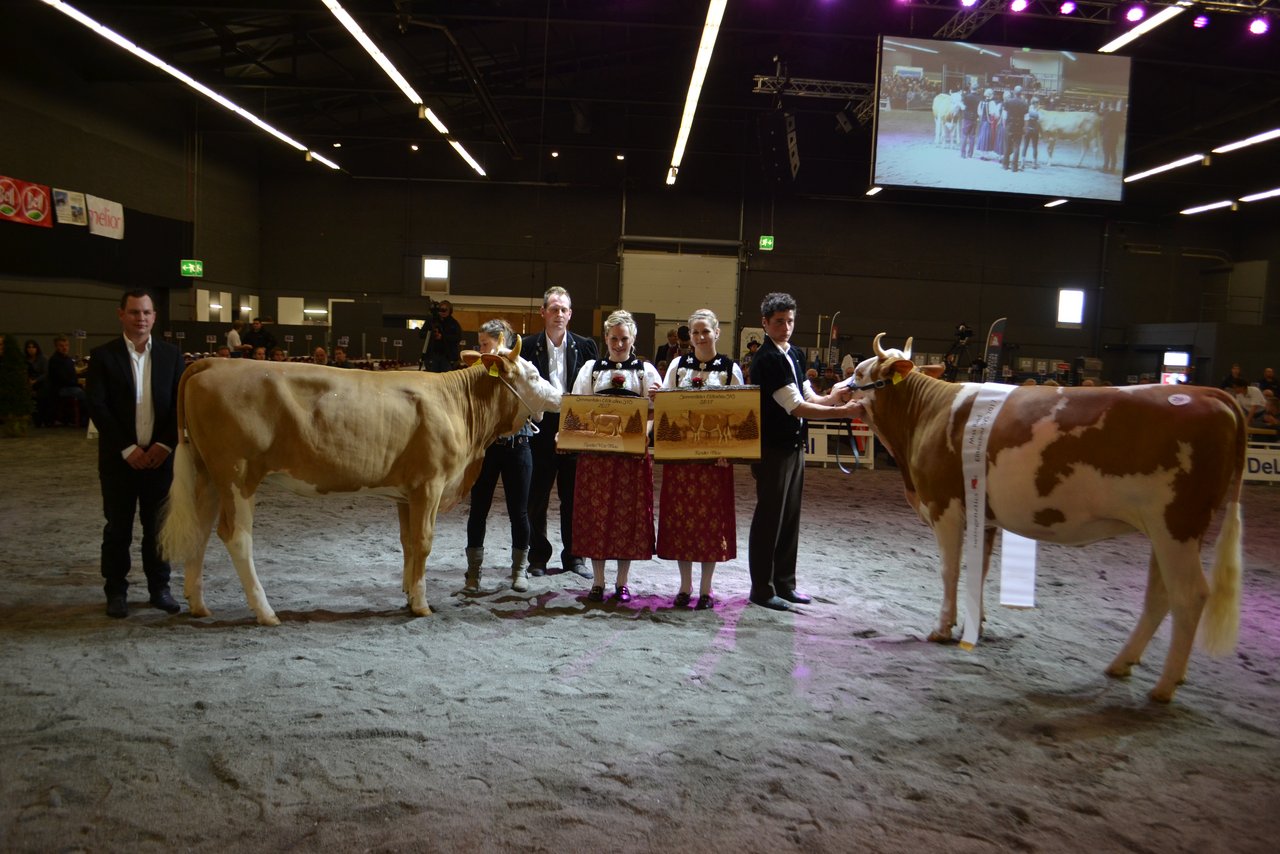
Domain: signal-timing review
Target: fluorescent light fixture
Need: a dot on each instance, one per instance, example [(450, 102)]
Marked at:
[(1257, 197), (1212, 206), (1253, 140), (1069, 55), (1182, 161), (435, 268), (372, 49), (619, 157), (701, 62), (315, 311), (379, 57), (918, 47), (971, 47), (216, 305), (413, 147), (1070, 307), (555, 154), (874, 190), (153, 60), (1055, 203), (1165, 15), (246, 308)]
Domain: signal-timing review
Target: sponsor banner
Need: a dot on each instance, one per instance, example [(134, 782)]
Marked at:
[(1262, 463), (106, 218), (69, 208), (22, 201)]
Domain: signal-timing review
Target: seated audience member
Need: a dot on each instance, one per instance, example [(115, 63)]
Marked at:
[(224, 352), (1230, 379), (1248, 397), (668, 350), (340, 358), (38, 377), (1268, 381), (260, 353), (319, 356), (63, 381), (277, 355)]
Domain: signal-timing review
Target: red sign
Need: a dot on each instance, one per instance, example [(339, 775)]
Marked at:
[(24, 202)]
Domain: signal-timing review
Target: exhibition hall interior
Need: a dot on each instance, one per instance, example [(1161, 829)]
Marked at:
[(534, 144)]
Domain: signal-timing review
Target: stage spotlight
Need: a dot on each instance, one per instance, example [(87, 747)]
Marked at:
[(968, 4), (1134, 14), (1259, 25), (1067, 8), (1200, 22), (1018, 5)]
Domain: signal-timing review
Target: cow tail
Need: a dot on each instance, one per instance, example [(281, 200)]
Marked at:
[(180, 534), (1220, 623)]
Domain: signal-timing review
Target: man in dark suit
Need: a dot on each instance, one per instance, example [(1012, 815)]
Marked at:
[(133, 396), (558, 354)]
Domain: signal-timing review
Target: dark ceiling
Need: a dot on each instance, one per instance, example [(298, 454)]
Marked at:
[(592, 79)]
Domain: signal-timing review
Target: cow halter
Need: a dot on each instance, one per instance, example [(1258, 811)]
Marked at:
[(528, 419)]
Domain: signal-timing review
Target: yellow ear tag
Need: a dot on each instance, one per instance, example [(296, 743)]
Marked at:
[(493, 369), (897, 378)]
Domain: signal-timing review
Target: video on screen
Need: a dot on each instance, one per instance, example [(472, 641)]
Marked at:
[(991, 118)]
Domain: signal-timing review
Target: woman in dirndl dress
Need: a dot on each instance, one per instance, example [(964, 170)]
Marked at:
[(613, 494), (696, 515)]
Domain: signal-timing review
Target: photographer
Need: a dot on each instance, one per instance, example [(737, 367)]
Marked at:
[(441, 334)]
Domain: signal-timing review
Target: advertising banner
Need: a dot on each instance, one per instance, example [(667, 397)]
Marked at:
[(106, 218), (24, 202)]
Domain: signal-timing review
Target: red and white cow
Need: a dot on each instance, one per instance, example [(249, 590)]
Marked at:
[(417, 438), (1074, 466), (947, 107)]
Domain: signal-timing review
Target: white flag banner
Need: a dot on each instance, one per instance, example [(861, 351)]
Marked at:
[(106, 218), (1017, 570)]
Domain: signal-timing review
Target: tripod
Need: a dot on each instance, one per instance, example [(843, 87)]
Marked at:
[(955, 357)]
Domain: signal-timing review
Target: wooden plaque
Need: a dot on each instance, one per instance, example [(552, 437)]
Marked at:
[(603, 424), (707, 424)]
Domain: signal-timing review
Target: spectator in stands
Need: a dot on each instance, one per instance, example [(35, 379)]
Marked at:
[(1232, 377), (320, 356), (257, 337), (752, 346), (277, 355), (1268, 381), (260, 354), (63, 380), (668, 351), (340, 358), (233, 335), (684, 344), (38, 377), (1249, 397), (224, 352)]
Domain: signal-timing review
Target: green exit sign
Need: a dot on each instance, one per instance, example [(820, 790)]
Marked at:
[(766, 242), (192, 267)]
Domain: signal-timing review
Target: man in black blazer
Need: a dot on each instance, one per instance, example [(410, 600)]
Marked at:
[(558, 354), (133, 398)]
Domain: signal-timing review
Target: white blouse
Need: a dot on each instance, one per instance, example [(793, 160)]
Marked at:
[(598, 376)]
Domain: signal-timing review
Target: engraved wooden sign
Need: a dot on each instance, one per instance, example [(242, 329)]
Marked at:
[(603, 424), (707, 424)]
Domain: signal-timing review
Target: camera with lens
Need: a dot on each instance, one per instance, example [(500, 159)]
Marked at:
[(963, 333)]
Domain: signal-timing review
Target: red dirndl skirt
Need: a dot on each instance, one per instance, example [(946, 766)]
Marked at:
[(613, 507), (697, 517)]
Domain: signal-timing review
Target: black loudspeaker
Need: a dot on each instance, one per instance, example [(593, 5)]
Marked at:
[(778, 147)]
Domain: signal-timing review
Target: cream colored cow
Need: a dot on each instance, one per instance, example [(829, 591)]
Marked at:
[(417, 438)]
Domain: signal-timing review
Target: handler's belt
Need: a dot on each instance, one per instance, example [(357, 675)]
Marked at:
[(511, 441)]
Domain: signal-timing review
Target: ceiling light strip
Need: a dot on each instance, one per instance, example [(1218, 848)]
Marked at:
[(1253, 140), (153, 60), (424, 112), (701, 62), (1176, 164), (1265, 194), (1162, 17), (1212, 206)]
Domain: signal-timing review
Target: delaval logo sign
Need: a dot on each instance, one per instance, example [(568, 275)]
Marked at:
[(1262, 464)]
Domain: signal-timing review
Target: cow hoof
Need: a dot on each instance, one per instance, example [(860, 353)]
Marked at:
[(1119, 670), (200, 611), (1160, 694), (268, 619), (940, 637), (423, 611)]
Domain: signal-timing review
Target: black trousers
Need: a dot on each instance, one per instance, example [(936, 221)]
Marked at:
[(514, 464), (125, 490), (775, 526), (558, 470)]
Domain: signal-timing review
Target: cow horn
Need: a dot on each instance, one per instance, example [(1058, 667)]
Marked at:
[(879, 351), (906, 351), (515, 351)]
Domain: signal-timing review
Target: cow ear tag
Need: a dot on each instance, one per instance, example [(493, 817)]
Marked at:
[(897, 378), (493, 369)]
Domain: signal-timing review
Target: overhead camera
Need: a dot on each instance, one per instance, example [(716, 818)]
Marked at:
[(963, 333)]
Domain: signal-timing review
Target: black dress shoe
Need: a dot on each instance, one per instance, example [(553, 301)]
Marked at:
[(776, 603), (117, 606), (580, 568), (165, 602), (682, 600), (537, 570), (796, 596), (596, 594)]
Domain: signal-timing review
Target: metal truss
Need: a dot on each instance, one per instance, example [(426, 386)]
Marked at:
[(860, 97), (965, 22)]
